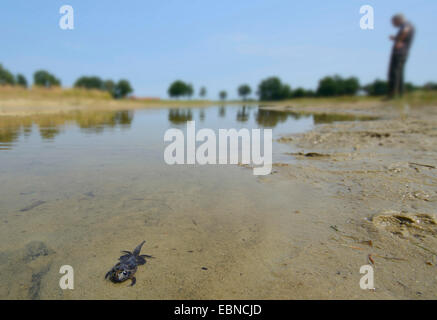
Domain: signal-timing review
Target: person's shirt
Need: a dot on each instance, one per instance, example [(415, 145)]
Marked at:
[(407, 40)]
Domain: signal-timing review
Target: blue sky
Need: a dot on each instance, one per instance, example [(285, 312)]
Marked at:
[(218, 44)]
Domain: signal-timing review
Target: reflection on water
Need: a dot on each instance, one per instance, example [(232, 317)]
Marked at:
[(202, 115), (330, 118), (95, 124), (242, 114), (270, 119), (49, 133), (222, 111), (180, 116), (52, 125)]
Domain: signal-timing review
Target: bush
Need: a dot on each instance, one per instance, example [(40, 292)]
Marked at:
[(223, 95), (6, 77), (272, 89), (299, 93), (376, 88), (350, 86), (178, 88), (45, 79), (118, 90), (337, 86), (244, 90), (92, 82), (122, 89), (286, 91), (202, 92), (21, 80)]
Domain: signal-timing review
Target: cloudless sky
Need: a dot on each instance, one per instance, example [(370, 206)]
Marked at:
[(218, 44)]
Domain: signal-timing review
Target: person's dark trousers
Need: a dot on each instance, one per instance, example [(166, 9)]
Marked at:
[(396, 75)]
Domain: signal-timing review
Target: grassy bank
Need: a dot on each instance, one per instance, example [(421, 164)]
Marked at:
[(416, 98), (21, 101)]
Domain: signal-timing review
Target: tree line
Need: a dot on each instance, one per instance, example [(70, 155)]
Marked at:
[(43, 78), (269, 89), (7, 78), (273, 89), (179, 88), (118, 89)]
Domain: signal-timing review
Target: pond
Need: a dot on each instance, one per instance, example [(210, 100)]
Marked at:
[(77, 188)]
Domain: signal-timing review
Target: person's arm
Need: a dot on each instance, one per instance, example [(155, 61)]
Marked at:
[(400, 40)]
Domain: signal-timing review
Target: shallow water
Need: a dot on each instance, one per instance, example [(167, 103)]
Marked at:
[(79, 187)]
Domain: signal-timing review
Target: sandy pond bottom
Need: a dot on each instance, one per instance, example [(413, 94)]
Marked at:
[(79, 188)]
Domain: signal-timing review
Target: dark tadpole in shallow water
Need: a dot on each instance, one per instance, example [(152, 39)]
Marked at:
[(26, 193), (33, 205)]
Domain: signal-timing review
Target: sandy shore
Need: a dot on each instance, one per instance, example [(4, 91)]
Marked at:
[(378, 182)]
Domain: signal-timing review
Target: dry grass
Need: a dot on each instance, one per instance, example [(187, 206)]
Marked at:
[(21, 101), (416, 98), (422, 98), (36, 93)]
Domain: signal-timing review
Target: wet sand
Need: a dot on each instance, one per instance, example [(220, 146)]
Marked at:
[(382, 175), (351, 190)]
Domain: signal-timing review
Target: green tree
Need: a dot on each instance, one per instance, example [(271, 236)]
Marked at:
[(202, 92), (92, 82), (350, 86), (21, 80), (310, 93), (122, 89), (299, 93), (327, 87), (43, 78), (337, 86), (272, 89), (6, 77), (376, 88), (244, 90), (287, 93), (223, 95), (177, 89)]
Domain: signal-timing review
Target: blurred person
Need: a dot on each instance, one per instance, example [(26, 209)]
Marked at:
[(401, 47)]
